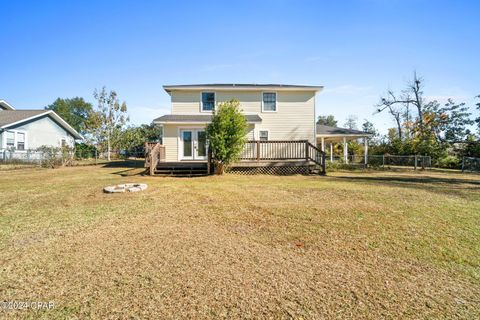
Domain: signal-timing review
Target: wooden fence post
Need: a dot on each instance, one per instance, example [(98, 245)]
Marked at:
[(415, 166), (463, 164)]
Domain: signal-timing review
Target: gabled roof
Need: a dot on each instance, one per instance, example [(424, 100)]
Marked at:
[(4, 105), (336, 131), (242, 86), (201, 118), (9, 118)]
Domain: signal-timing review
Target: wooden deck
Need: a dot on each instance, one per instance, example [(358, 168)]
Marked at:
[(296, 156), (271, 163)]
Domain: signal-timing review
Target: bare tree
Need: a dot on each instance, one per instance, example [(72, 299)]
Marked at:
[(398, 105)]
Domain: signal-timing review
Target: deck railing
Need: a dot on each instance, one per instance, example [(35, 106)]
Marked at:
[(154, 153), (283, 150), (273, 150)]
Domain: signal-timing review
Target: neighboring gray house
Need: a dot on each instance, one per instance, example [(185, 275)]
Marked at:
[(23, 130)]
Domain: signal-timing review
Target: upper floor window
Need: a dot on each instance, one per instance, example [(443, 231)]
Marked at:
[(208, 101), (269, 102)]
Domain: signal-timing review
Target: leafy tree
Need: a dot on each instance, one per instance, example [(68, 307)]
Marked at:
[(472, 147), (74, 111), (83, 150), (368, 126), (433, 130), (449, 122), (351, 122), (132, 138), (109, 115), (327, 120), (227, 134), (477, 120)]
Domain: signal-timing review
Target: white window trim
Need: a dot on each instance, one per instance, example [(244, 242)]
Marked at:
[(179, 138), (276, 101), (67, 141), (214, 101), (4, 139), (268, 134)]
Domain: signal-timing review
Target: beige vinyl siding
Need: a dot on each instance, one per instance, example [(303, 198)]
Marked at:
[(171, 139), (186, 102), (293, 120)]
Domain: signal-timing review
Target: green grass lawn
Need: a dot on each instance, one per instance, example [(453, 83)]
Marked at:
[(349, 245)]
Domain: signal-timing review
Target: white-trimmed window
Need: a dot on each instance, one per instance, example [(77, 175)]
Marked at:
[(208, 101), (269, 102), (20, 141), (10, 139), (263, 135)]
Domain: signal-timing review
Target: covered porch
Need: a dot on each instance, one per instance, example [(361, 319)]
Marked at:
[(328, 136)]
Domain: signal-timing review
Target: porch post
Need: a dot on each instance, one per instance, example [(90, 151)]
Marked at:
[(345, 150), (365, 141), (331, 151), (323, 144)]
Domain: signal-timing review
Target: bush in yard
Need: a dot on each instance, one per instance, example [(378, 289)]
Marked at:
[(450, 162), (227, 134), (53, 157)]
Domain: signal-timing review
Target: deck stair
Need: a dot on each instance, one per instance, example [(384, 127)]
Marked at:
[(183, 169)]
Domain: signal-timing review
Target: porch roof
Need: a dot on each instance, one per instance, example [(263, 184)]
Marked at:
[(198, 118), (327, 131)]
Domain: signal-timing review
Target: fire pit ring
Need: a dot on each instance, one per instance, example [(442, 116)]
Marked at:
[(126, 187)]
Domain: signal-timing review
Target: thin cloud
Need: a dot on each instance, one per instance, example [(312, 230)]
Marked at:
[(145, 115), (348, 89), (214, 67)]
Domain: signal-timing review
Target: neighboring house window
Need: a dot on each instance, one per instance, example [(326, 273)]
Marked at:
[(20, 141), (263, 135), (10, 139), (64, 143), (208, 101), (269, 103)]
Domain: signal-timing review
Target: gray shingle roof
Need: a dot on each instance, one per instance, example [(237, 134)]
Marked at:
[(327, 130), (11, 116), (258, 86), (199, 118)]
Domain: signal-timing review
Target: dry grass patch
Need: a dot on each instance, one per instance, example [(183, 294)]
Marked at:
[(350, 245)]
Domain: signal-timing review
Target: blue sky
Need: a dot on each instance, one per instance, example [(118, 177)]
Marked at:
[(357, 49)]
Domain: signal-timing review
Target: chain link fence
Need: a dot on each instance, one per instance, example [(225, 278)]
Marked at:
[(470, 164), (13, 159), (385, 161)]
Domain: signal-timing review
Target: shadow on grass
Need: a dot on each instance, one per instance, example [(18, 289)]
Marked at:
[(131, 167), (453, 186), (411, 179)]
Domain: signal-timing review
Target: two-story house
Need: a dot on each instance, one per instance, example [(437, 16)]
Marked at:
[(274, 112)]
